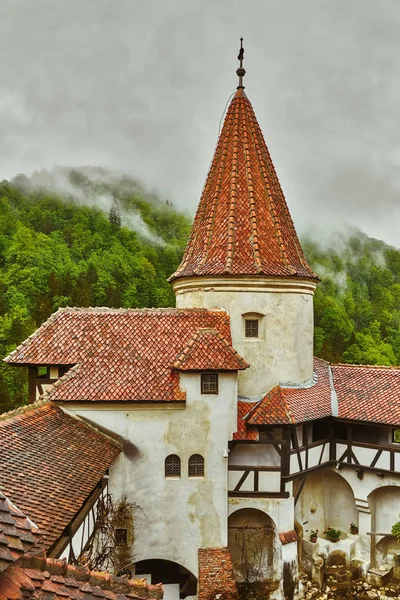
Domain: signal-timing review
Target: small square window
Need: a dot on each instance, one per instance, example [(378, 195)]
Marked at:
[(396, 436), (209, 383), (252, 328), (121, 537)]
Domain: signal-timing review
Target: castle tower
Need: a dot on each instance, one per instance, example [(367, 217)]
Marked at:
[(244, 255)]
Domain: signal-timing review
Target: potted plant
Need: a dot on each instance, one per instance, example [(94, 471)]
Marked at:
[(313, 535), (353, 528), (333, 535)]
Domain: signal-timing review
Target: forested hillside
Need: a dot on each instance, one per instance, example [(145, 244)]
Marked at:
[(86, 238)]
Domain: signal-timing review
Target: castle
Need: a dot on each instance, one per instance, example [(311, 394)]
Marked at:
[(239, 448)]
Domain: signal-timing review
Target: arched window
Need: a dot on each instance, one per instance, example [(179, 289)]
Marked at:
[(172, 466), (196, 466)]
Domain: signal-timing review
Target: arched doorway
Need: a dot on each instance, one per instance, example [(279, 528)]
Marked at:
[(178, 581), (254, 547), (384, 503)]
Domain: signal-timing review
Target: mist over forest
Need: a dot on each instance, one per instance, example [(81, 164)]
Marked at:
[(94, 237)]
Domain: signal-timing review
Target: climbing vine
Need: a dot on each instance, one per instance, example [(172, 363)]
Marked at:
[(110, 544)]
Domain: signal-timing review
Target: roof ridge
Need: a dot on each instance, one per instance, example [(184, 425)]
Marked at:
[(252, 202), (385, 367), (230, 248), (289, 413), (53, 317), (21, 410)]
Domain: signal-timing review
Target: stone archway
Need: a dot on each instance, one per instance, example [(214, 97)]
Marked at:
[(254, 547), (318, 507), (178, 581), (384, 503)]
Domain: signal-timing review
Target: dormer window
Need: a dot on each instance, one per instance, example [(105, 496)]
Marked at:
[(209, 383), (251, 328)]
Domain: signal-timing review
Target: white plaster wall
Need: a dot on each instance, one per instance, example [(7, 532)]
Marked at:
[(385, 508), (254, 454), (176, 516), (326, 500), (281, 510), (284, 352)]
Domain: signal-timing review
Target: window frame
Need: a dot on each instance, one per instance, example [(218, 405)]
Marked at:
[(204, 384), (252, 322), (177, 465), (193, 465)]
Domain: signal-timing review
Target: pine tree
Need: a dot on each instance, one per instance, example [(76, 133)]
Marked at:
[(114, 216)]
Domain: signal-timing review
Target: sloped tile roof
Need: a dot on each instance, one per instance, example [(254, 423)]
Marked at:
[(120, 354), (272, 410), (17, 533), (367, 393), (286, 406), (50, 463), (243, 225), (209, 350), (314, 402), (41, 578), (245, 433)]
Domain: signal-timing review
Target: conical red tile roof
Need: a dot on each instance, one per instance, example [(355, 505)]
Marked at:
[(243, 225)]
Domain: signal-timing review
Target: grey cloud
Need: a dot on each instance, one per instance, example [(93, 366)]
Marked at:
[(140, 86)]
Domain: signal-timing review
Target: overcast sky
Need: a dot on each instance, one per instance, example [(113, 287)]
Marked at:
[(141, 85)]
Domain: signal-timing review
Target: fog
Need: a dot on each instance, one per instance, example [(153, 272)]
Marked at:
[(140, 86)]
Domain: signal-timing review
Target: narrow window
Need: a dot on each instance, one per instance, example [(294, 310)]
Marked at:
[(251, 328), (121, 537), (196, 466), (209, 383), (172, 466)]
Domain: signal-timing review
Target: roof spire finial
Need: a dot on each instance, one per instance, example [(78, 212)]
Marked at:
[(241, 72)]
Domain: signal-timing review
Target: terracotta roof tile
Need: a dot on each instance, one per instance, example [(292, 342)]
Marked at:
[(209, 350), (288, 537), (14, 526), (271, 410), (40, 578), (123, 354), (285, 406), (243, 225), (244, 432), (367, 393), (42, 450)]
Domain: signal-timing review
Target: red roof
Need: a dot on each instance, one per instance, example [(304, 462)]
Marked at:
[(286, 406), (209, 350), (17, 533), (245, 433), (127, 354), (50, 464), (41, 578), (243, 225), (272, 410), (367, 393)]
